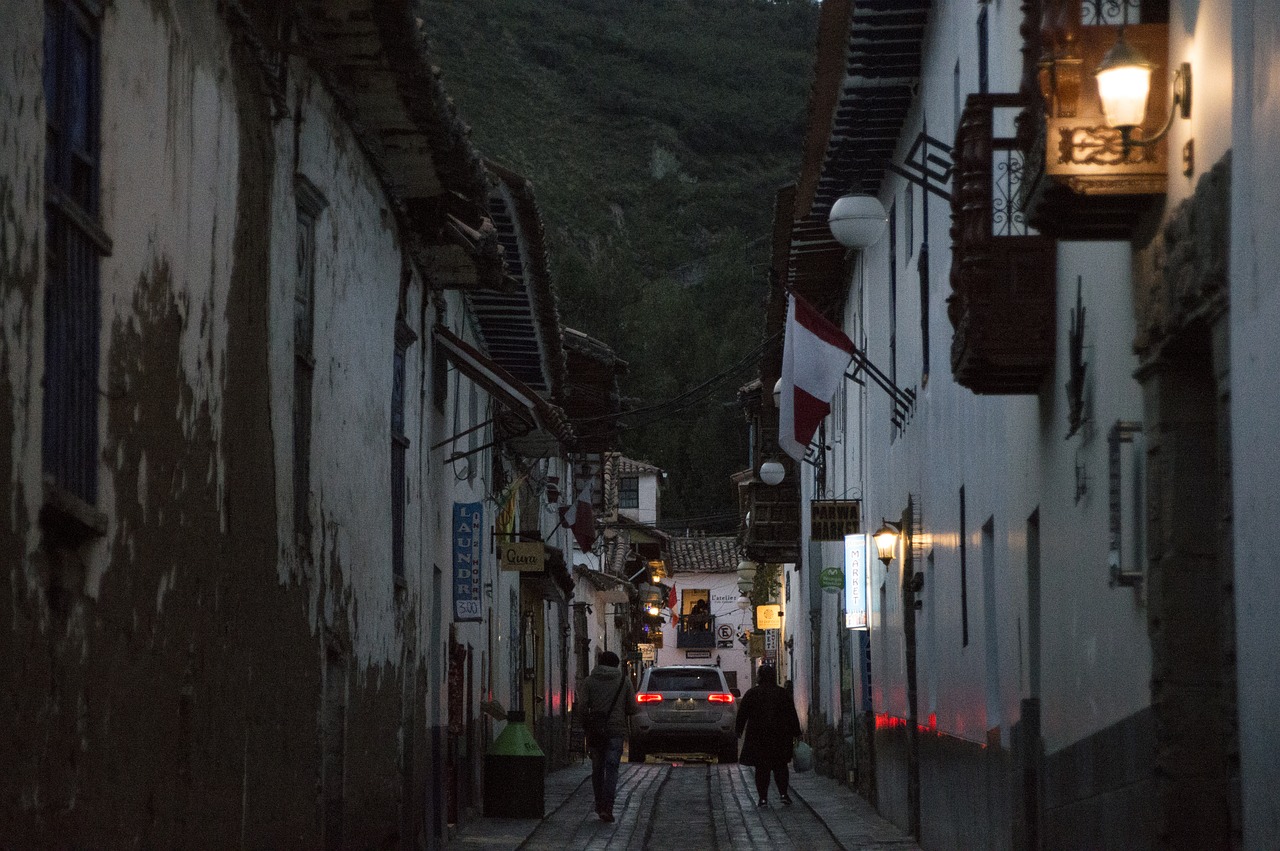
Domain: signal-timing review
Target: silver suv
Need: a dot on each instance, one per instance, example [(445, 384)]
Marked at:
[(684, 708)]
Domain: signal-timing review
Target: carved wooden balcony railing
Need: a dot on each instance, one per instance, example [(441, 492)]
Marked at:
[(1079, 182), (1003, 274), (771, 513)]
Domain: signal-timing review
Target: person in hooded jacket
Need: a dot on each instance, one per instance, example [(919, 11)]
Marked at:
[(768, 713), (608, 686)]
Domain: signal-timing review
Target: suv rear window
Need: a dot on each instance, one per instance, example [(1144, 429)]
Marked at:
[(685, 681)]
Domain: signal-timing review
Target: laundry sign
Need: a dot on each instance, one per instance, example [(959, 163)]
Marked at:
[(523, 556), (468, 526)]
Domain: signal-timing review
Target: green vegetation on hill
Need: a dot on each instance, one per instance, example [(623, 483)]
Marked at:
[(655, 133)]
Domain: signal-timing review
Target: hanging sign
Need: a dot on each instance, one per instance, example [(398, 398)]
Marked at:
[(524, 556), (468, 519), (769, 617), (855, 581), (831, 580)]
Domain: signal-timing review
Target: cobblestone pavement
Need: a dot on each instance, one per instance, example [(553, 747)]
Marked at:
[(694, 806)]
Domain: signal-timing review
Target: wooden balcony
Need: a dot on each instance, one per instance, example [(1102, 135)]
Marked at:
[(696, 631), (773, 535), (1003, 273), (1080, 184)]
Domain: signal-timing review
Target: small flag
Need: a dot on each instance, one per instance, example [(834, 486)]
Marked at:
[(815, 355), (580, 518)]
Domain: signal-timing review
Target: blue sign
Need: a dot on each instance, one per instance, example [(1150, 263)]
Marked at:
[(468, 537)]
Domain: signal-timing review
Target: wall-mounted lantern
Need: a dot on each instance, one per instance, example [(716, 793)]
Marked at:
[(1096, 158), (1124, 82), (886, 539)]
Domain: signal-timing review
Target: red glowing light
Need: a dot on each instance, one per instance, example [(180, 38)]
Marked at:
[(720, 698), (648, 697)]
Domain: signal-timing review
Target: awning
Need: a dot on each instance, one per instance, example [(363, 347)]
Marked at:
[(610, 588), (554, 582), (547, 427)]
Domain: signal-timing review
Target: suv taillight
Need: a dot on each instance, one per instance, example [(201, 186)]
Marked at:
[(649, 697), (720, 698)]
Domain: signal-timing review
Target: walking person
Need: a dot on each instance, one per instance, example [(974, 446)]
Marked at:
[(769, 715), (609, 700)]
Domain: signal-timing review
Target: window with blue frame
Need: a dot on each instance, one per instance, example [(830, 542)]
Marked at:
[(75, 244)]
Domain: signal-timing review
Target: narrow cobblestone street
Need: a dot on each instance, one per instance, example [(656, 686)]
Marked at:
[(702, 806)]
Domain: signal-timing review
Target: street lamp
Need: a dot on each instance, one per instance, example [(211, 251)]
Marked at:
[(857, 221), (886, 538), (1124, 82), (772, 472), (744, 602)]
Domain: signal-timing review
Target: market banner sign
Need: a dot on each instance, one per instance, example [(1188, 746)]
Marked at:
[(524, 556), (468, 537), (855, 581)]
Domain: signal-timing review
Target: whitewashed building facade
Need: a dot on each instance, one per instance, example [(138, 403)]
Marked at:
[(1067, 648)]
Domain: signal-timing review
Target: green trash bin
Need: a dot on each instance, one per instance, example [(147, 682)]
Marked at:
[(514, 772)]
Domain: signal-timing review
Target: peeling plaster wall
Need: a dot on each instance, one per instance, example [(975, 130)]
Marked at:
[(165, 684), (357, 287), (21, 313)]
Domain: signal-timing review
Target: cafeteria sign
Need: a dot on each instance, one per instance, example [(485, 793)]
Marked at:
[(769, 617), (524, 556)]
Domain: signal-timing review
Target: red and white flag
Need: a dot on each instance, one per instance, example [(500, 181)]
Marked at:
[(580, 518), (815, 354)]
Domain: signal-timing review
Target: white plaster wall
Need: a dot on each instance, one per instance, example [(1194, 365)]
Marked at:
[(1255, 389), (165, 200), (357, 269), (1199, 33), (1010, 456), (648, 509), (22, 138), (724, 605)]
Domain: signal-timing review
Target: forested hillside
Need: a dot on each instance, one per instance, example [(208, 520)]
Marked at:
[(655, 133)]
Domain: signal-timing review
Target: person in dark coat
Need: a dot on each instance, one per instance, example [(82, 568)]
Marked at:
[(769, 715), (608, 686)]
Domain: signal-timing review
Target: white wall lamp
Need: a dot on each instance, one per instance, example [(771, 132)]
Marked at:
[(1124, 82), (857, 221), (772, 472)]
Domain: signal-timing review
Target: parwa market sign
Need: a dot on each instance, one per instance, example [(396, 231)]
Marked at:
[(524, 556)]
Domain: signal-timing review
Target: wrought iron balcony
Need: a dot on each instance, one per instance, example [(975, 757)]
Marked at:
[(696, 631), (1003, 274)]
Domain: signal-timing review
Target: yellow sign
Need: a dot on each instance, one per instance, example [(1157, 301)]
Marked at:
[(505, 522), (524, 556), (769, 617)]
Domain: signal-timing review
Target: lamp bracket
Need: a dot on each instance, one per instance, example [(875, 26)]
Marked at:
[(928, 164), (1180, 108), (904, 400)]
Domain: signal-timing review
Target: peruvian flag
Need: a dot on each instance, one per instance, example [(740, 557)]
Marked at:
[(580, 518), (815, 355)]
